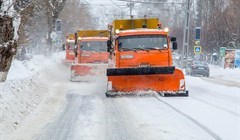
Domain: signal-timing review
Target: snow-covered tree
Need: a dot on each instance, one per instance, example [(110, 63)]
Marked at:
[(169, 12), (8, 43), (27, 10), (77, 15)]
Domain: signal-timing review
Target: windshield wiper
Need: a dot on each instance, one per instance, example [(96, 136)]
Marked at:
[(142, 49), (153, 48), (128, 49)]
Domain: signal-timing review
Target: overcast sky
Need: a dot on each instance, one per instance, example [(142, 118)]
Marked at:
[(105, 2), (109, 4)]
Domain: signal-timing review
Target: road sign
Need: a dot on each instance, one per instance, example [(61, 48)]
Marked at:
[(197, 49), (58, 39), (53, 35), (58, 42), (222, 51)]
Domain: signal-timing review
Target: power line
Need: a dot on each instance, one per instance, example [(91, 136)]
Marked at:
[(99, 4), (152, 2), (118, 7)]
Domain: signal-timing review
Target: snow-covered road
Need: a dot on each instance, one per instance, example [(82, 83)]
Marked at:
[(70, 110)]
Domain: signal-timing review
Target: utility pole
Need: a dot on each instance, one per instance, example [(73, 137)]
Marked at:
[(186, 33), (130, 4)]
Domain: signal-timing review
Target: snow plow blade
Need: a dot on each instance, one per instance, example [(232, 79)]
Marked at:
[(140, 71), (87, 72), (166, 81)]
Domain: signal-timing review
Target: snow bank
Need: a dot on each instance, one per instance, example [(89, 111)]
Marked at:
[(24, 89), (18, 71), (227, 74)]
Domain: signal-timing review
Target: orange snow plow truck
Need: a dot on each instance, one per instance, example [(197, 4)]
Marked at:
[(92, 55), (141, 53), (69, 48)]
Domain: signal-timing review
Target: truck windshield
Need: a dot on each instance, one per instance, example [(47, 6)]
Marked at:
[(99, 46), (142, 42)]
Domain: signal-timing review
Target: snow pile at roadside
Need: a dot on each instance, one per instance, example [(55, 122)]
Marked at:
[(227, 74), (23, 90), (18, 70)]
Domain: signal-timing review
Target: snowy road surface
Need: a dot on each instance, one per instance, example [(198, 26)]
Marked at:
[(76, 111)]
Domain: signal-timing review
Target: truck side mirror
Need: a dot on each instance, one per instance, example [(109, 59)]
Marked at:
[(75, 50), (75, 38), (109, 45), (173, 39), (174, 45)]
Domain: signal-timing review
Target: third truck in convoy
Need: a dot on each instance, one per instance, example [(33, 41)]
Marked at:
[(69, 48)]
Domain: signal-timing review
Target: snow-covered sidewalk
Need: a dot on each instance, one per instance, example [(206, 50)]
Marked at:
[(225, 74), (26, 86)]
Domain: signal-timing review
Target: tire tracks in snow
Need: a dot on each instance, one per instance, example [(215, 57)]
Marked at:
[(118, 126), (63, 127), (204, 128), (216, 106), (215, 94), (222, 82)]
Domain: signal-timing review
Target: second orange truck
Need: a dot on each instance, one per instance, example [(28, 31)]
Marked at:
[(92, 55)]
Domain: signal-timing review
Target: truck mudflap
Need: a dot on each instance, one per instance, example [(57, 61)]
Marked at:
[(140, 71), (165, 84), (87, 72)]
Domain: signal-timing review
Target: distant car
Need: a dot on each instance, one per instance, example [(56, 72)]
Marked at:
[(198, 68)]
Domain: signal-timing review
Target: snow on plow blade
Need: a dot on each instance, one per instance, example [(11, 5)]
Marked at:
[(87, 72), (166, 81)]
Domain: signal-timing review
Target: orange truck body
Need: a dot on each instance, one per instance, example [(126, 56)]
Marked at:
[(142, 68), (92, 55), (69, 57)]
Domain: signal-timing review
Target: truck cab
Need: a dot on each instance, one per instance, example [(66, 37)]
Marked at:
[(93, 50), (143, 48), (91, 53)]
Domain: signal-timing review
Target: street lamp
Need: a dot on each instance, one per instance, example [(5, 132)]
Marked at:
[(186, 32)]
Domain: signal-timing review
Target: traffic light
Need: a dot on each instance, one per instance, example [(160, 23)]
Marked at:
[(198, 33), (58, 25)]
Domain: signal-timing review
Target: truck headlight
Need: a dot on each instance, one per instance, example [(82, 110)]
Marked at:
[(109, 85), (182, 84)]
